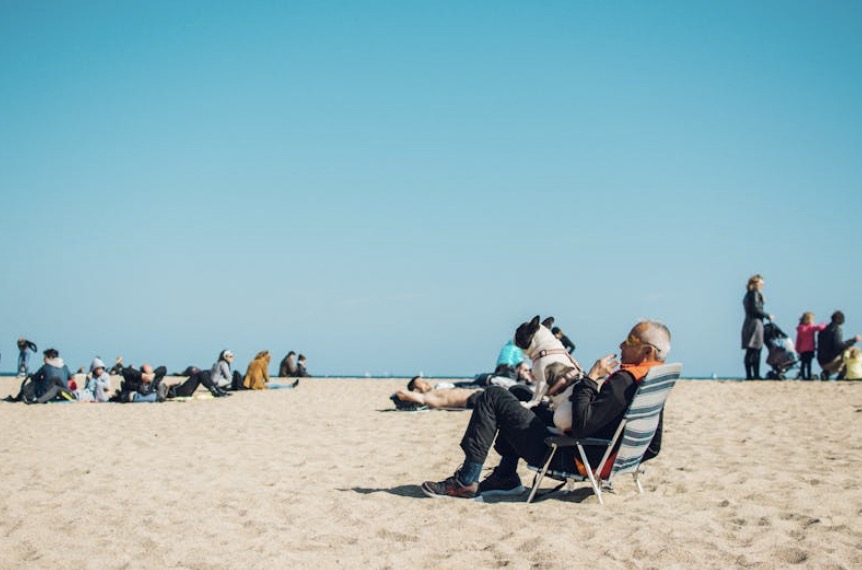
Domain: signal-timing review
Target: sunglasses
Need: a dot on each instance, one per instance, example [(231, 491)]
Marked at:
[(632, 340)]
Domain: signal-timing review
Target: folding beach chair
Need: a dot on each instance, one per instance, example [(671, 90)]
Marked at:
[(634, 435)]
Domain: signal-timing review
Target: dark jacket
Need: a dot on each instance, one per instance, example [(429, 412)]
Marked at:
[(598, 412), (831, 343), (48, 376), (133, 383), (287, 369), (752, 326)]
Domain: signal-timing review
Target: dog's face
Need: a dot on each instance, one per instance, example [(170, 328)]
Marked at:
[(525, 332)]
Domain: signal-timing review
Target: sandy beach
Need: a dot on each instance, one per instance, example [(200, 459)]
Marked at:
[(752, 475)]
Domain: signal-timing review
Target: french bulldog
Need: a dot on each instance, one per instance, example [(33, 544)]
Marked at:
[(553, 367)]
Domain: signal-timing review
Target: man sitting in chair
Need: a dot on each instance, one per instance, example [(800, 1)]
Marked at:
[(599, 402)]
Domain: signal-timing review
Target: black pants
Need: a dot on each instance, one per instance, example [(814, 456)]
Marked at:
[(752, 363), (805, 359), (56, 388), (191, 384), (519, 432)]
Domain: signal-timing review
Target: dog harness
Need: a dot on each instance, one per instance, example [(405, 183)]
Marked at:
[(578, 370)]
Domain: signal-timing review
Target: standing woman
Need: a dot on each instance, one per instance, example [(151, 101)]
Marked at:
[(752, 327)]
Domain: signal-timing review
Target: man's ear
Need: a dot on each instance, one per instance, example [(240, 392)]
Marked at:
[(650, 353)]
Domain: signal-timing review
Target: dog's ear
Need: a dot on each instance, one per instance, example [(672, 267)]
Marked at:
[(534, 324), (548, 322)]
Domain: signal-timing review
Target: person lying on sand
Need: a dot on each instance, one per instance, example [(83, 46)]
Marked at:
[(144, 385), (597, 406), (420, 391)]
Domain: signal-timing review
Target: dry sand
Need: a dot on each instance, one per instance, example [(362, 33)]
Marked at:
[(752, 475)]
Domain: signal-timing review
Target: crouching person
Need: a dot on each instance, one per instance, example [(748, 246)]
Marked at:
[(598, 405)]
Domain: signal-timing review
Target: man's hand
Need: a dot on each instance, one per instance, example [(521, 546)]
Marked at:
[(604, 367)]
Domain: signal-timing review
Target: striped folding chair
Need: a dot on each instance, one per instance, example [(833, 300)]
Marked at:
[(630, 441)]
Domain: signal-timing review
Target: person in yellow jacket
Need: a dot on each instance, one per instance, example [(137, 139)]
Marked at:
[(853, 362), (257, 374)]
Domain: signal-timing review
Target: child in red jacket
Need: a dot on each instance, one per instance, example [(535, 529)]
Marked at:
[(805, 343)]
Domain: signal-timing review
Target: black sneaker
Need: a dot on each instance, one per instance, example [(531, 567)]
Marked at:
[(495, 484), (451, 488)]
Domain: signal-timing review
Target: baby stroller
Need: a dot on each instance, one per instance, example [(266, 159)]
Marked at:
[(782, 352)]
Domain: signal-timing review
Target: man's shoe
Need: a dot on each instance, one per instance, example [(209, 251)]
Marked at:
[(495, 484), (451, 488)]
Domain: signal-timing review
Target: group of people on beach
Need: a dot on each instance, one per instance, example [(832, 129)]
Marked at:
[(54, 380), (835, 355)]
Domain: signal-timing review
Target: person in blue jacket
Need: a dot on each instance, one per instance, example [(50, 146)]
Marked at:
[(508, 360)]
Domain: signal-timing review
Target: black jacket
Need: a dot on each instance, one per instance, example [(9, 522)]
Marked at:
[(598, 412), (830, 343), (133, 383)]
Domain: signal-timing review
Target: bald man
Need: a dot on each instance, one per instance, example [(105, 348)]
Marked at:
[(598, 404), (144, 385)]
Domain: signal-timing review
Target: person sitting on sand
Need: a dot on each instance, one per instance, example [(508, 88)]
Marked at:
[(420, 391), (98, 385), (508, 360), (288, 368), (599, 402), (144, 385), (51, 381), (221, 374), (48, 383), (853, 363), (301, 369), (523, 375), (257, 374)]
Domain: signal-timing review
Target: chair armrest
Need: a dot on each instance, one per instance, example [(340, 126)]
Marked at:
[(565, 441)]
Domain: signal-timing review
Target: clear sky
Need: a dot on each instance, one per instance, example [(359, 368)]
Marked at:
[(392, 187)]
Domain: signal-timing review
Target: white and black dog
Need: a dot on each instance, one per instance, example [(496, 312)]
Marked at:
[(553, 367)]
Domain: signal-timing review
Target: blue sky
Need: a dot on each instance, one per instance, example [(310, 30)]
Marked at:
[(392, 187)]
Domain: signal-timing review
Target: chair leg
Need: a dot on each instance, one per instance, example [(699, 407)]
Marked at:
[(541, 474), (638, 481), (596, 489)]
